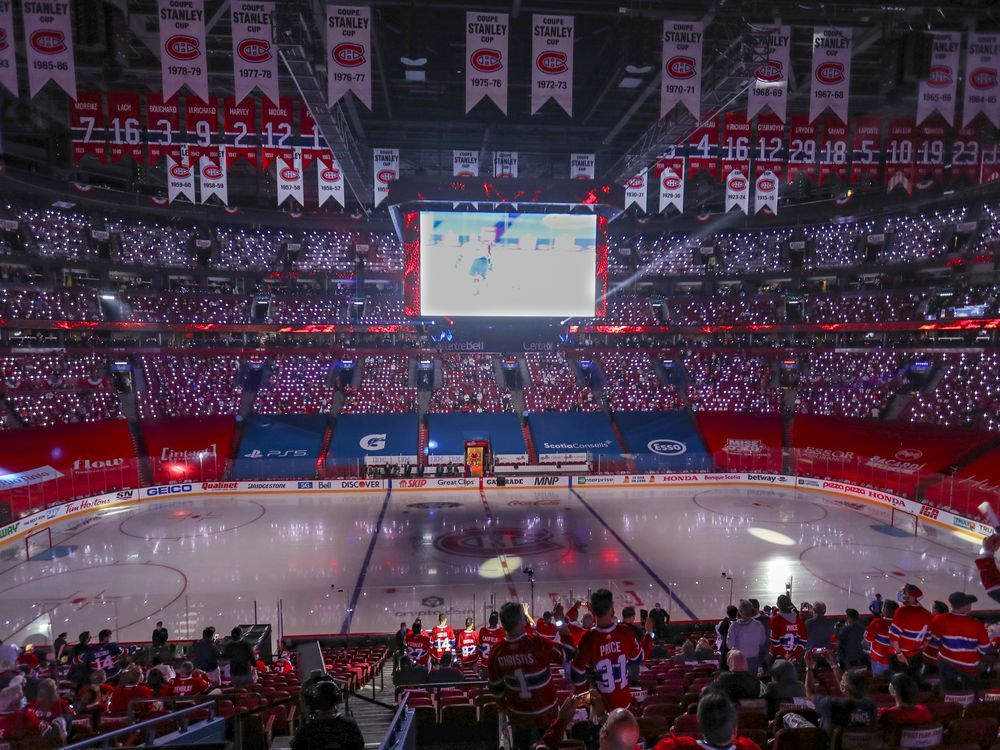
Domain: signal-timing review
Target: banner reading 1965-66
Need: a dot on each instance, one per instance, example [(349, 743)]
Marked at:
[(938, 91)]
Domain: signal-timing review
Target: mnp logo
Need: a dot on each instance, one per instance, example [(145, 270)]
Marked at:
[(289, 174), (737, 182), (667, 447), (671, 181), (48, 41), (180, 172), (373, 442), (330, 175), (254, 50), (939, 76), (909, 454), (830, 73), (486, 60), (983, 78), (681, 67), (552, 62), (182, 47), (212, 172), (349, 54), (770, 72), (386, 176), (766, 185)]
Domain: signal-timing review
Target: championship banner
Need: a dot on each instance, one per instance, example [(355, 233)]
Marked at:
[(465, 163), (486, 59), (276, 131), (180, 177), (801, 149), (982, 79), (86, 120), (737, 192), (899, 154), (329, 178), (769, 88), (681, 82), (214, 182), (671, 181), (929, 153), (386, 171), (581, 166), (48, 45), (635, 192), (240, 121), (255, 61), (937, 92), (125, 125), (769, 150), (182, 47), (348, 53), (505, 164), (313, 143), (765, 193), (552, 52), (832, 151), (990, 169), (8, 62), (163, 124), (866, 149), (831, 72), (289, 178), (703, 149), (965, 154), (735, 144), (201, 122)]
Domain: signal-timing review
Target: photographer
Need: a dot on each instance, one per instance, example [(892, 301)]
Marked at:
[(326, 728)]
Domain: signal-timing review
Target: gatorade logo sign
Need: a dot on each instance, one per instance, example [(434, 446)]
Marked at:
[(552, 62), (48, 41), (182, 47), (770, 72), (666, 447), (254, 50), (486, 60), (830, 73), (349, 54), (373, 442), (681, 67)]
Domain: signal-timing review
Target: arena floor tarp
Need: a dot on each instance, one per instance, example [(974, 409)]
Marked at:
[(448, 433), (741, 442), (359, 436), (189, 447), (663, 440), (572, 432), (279, 446)]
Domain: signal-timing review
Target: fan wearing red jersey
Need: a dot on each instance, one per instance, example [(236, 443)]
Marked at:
[(467, 644), (187, 682), (442, 639), (519, 672), (717, 718), (788, 631), (910, 632), (606, 653), (489, 636), (418, 644), (877, 638), (546, 627)]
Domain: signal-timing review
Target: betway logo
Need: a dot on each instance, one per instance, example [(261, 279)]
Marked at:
[(769, 478), (258, 453)]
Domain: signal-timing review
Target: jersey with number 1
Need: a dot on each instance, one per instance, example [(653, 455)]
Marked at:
[(467, 645), (519, 671), (608, 652), (488, 639)]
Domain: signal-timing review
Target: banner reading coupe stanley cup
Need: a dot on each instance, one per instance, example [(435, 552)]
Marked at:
[(486, 63), (769, 87), (8, 63), (552, 61), (505, 164), (938, 91), (329, 179), (581, 166), (831, 72), (465, 163), (348, 53), (681, 82), (182, 47), (982, 79), (213, 176), (386, 171), (48, 45), (255, 61), (635, 191)]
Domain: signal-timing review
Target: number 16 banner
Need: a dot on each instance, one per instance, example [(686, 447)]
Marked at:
[(124, 118)]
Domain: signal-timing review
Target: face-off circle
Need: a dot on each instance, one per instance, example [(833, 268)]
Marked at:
[(190, 520), (760, 506), (510, 540)]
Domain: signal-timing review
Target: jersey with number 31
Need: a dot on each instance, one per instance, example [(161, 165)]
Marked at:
[(608, 652)]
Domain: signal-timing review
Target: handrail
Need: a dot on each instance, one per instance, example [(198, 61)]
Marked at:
[(144, 726), (396, 725)]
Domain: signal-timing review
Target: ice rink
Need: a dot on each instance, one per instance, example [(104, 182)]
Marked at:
[(365, 562)]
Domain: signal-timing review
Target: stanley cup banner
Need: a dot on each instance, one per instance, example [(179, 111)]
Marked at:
[(671, 181), (329, 178), (681, 82), (505, 164), (581, 166), (48, 45), (465, 163), (386, 171), (349, 53), (289, 178), (213, 179), (765, 193), (635, 191), (552, 66), (769, 87), (737, 192), (182, 47), (8, 64), (937, 92), (180, 177), (255, 60), (982, 79), (831, 72), (486, 61)]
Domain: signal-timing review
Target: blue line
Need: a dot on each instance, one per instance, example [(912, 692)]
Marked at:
[(642, 563), (356, 594)]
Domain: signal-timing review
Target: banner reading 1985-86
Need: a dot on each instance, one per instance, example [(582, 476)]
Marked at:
[(48, 45), (486, 62), (348, 53), (552, 61), (183, 58)]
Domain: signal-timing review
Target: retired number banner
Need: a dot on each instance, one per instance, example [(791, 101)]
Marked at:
[(899, 154), (255, 61), (552, 52), (386, 171), (182, 46), (769, 87), (681, 81), (937, 92), (831, 72), (866, 150), (769, 150), (703, 149), (125, 121), (163, 124), (240, 121), (965, 155), (982, 79), (832, 151), (348, 53), (465, 163), (486, 40), (276, 130), (8, 63), (202, 127), (735, 143), (801, 149), (314, 145), (929, 153), (86, 119), (48, 45)]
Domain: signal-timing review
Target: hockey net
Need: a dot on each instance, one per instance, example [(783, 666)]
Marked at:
[(37, 542)]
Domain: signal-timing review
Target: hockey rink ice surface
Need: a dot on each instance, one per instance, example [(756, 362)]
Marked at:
[(366, 562)]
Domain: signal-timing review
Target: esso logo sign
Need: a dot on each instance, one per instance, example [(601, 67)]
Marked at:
[(983, 78), (635, 182), (330, 175), (671, 182), (386, 175), (681, 67), (486, 60), (349, 54), (48, 41), (909, 454), (254, 50), (939, 75), (212, 172), (830, 73), (667, 447), (552, 62), (289, 174), (182, 47), (180, 171), (737, 182), (770, 72), (766, 185)]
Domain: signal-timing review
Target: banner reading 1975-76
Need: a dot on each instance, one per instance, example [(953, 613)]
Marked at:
[(486, 62)]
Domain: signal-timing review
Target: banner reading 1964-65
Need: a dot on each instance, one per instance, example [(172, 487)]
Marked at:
[(552, 61), (982, 79), (486, 63), (48, 45), (183, 58), (348, 53)]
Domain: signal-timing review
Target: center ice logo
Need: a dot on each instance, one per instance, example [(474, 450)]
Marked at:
[(667, 447), (504, 540)]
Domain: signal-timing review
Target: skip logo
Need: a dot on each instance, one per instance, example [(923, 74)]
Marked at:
[(373, 442)]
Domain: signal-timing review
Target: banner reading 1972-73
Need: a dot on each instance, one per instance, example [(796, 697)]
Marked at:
[(552, 61)]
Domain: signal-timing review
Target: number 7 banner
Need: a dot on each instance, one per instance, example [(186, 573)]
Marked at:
[(125, 118), (86, 115)]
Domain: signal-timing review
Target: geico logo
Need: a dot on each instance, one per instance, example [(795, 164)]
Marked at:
[(172, 489), (546, 481)]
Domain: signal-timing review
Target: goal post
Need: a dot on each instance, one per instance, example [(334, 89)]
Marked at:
[(37, 542)]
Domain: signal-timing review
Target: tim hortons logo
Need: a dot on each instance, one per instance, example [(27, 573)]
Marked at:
[(939, 76), (212, 172), (330, 175), (288, 174), (349, 54), (552, 62), (766, 185), (830, 73), (681, 67), (983, 78), (182, 47), (48, 41), (486, 60), (737, 182), (386, 175), (769, 72), (671, 182), (180, 171), (254, 50)]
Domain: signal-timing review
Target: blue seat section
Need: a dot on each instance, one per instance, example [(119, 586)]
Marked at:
[(663, 440), (277, 446), (356, 436), (573, 432), (448, 433)]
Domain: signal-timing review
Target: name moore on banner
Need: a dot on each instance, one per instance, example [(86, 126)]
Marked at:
[(239, 117), (769, 148), (929, 146), (465, 163), (214, 179), (831, 72), (163, 124), (769, 87), (682, 57), (348, 53), (735, 143), (866, 149), (183, 59), (671, 181), (832, 150), (635, 191), (288, 173), (8, 61), (486, 44), (801, 149), (329, 178), (737, 192), (254, 60), (276, 130), (552, 53), (899, 154), (180, 176), (201, 120), (765, 193), (982, 79), (86, 120), (938, 91), (48, 45), (125, 125), (581, 166), (386, 171), (703, 149), (505, 164)]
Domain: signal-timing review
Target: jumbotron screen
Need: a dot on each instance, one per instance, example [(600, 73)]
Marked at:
[(506, 265)]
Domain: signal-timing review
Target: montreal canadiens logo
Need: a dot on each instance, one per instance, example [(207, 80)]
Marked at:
[(486, 60), (465, 173), (909, 454), (212, 172), (939, 75), (349, 54), (635, 182), (681, 67), (737, 182), (289, 174), (48, 41), (830, 73), (386, 175), (508, 540), (330, 175), (3, 39), (983, 78), (182, 47), (552, 62), (254, 50), (671, 182), (769, 72), (766, 185), (180, 171)]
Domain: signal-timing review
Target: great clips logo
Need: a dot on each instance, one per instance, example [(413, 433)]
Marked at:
[(486, 60), (830, 73), (349, 54), (48, 41), (552, 62), (681, 67), (254, 50), (770, 72), (182, 47)]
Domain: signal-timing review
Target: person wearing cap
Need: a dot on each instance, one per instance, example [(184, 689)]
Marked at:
[(788, 631), (960, 641), (910, 629), (877, 638), (989, 574)]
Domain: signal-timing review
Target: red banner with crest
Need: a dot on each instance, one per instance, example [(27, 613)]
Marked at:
[(240, 122), (703, 149), (86, 120), (202, 126), (163, 125), (801, 149)]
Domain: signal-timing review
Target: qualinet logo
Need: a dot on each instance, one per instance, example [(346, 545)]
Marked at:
[(48, 41), (218, 485), (349, 54), (486, 60), (681, 67), (254, 50), (552, 62), (182, 47), (830, 73), (939, 76), (412, 484)]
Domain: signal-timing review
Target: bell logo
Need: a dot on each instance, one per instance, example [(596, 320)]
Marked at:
[(48, 42), (552, 62), (486, 60), (182, 47), (373, 442), (830, 73), (386, 176), (349, 54), (681, 67), (770, 72), (939, 76), (254, 50)]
